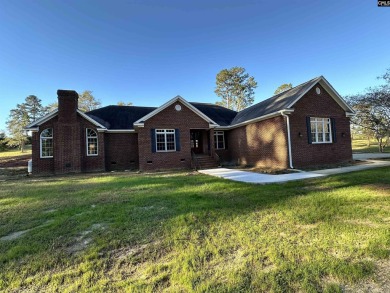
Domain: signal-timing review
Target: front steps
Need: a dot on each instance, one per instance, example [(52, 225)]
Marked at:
[(206, 162)]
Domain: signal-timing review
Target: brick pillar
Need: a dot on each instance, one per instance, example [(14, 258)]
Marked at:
[(67, 134)]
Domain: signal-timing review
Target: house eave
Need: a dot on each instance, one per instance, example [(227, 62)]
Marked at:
[(257, 119), (85, 116), (42, 120), (329, 88), (120, 131)]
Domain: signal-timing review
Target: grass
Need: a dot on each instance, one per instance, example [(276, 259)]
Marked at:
[(179, 232), (15, 152), (360, 145)]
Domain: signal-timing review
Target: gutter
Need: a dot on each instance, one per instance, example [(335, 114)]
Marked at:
[(288, 138)]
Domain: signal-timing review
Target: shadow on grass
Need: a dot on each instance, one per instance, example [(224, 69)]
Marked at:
[(200, 221)]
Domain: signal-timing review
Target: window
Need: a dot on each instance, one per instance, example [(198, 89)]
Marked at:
[(320, 130), (165, 140), (219, 140), (92, 142), (47, 143)]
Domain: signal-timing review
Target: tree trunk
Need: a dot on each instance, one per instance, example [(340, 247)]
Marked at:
[(22, 146), (368, 141)]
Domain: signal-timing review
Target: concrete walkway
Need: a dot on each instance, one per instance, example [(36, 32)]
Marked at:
[(366, 156), (252, 177)]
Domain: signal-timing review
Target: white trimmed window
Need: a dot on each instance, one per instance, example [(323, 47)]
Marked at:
[(92, 142), (320, 130), (165, 140), (47, 143), (219, 140)]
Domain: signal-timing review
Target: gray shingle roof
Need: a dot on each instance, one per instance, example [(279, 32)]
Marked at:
[(218, 114), (123, 117), (119, 117), (273, 104)]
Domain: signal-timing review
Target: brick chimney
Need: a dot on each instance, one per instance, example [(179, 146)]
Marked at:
[(67, 134), (67, 105)]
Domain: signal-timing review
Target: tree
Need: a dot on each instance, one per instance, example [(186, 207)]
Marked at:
[(17, 122), (3, 140), (34, 107), (373, 111), (121, 103), (20, 117), (282, 88), (235, 87), (86, 102)]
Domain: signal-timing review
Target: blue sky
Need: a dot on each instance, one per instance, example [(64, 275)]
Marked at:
[(147, 52)]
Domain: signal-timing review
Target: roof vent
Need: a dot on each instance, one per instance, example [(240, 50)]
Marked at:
[(318, 90), (178, 107)]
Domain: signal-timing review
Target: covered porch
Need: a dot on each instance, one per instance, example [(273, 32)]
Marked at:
[(202, 149)]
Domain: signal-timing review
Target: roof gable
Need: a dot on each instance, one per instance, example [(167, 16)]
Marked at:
[(286, 100), (35, 124), (330, 90), (140, 122)]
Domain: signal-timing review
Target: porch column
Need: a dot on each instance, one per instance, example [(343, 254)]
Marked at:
[(212, 149)]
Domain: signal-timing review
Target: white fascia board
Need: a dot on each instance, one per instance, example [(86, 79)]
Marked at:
[(42, 120), (82, 114), (348, 114), (329, 88), (304, 93), (257, 119), (140, 122), (335, 95), (33, 129), (120, 130)]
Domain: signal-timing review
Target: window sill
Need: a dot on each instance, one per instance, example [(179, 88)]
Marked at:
[(329, 142), (172, 151), (92, 155), (47, 157)]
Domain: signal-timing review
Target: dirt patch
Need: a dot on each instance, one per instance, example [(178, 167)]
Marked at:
[(17, 161), (82, 241), (14, 235), (379, 283), (126, 252)]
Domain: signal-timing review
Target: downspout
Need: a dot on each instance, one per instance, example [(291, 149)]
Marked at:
[(288, 139)]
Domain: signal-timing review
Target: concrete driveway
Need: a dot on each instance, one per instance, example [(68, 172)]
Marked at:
[(252, 177)]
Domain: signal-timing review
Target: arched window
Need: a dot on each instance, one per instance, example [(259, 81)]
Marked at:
[(92, 142), (47, 143)]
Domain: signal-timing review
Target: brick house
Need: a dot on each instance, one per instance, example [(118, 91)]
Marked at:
[(306, 125)]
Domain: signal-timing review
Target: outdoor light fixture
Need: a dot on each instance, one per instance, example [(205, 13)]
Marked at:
[(343, 134), (300, 134)]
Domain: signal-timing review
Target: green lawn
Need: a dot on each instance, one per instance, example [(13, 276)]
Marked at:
[(179, 232), (15, 152), (360, 146)]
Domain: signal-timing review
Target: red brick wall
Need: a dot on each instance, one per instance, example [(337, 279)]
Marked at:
[(260, 144), (70, 154), (121, 151), (169, 118), (323, 105)]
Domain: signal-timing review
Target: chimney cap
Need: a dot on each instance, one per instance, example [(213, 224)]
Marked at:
[(67, 93)]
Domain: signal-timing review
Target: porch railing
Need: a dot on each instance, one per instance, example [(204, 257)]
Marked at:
[(194, 161)]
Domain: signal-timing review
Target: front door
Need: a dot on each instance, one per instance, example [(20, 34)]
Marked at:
[(196, 141)]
